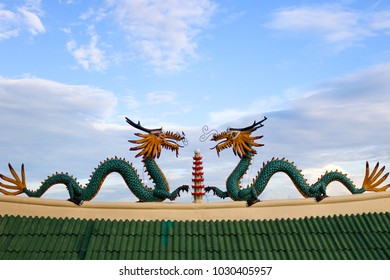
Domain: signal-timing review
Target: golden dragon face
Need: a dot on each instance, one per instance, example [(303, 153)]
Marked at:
[(154, 140), (239, 139)]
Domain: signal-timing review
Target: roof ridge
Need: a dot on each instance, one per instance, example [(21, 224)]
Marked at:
[(185, 221)]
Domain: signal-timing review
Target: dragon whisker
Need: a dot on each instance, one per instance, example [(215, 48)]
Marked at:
[(220, 143)]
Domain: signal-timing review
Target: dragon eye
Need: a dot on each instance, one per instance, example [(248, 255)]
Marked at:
[(234, 134)]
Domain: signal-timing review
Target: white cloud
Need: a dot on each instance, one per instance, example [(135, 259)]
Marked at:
[(163, 32), (159, 97), (258, 106), (161, 106), (380, 21), (49, 126), (341, 118), (32, 22), (232, 114), (68, 2), (48, 97), (131, 101), (22, 18), (66, 30), (8, 25), (334, 24), (103, 126), (95, 14), (89, 56)]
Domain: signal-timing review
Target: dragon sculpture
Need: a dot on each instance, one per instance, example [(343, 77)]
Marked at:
[(150, 144), (242, 142)]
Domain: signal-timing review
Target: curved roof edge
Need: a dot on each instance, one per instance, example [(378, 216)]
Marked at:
[(266, 210)]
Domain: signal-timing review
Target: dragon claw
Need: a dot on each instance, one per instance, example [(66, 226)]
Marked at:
[(208, 189), (252, 201), (185, 188), (217, 192), (76, 201), (16, 184), (373, 180), (320, 197)]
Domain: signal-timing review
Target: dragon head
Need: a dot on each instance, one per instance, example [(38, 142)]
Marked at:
[(239, 139), (154, 140)]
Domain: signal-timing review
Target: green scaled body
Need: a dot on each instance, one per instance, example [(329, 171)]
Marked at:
[(317, 190), (78, 193)]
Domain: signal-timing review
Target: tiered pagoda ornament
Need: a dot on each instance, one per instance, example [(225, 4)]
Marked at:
[(197, 180), (150, 144)]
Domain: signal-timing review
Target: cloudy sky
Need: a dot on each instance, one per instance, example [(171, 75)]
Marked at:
[(70, 71)]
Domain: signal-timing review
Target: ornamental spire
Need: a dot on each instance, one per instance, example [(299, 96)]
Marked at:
[(197, 179)]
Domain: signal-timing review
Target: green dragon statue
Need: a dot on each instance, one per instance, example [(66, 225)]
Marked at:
[(242, 143), (150, 145)]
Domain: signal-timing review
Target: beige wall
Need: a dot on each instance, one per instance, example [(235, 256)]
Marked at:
[(294, 208)]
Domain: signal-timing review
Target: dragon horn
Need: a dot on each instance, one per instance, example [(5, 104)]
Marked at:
[(252, 127), (140, 127)]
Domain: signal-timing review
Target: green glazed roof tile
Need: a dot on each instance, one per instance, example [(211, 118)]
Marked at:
[(363, 236), (8, 225), (371, 223)]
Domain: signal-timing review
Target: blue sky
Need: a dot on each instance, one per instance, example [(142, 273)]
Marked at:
[(70, 71)]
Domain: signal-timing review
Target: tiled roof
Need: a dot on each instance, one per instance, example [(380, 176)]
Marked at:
[(365, 236)]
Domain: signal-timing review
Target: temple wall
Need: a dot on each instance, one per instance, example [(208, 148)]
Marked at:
[(273, 209)]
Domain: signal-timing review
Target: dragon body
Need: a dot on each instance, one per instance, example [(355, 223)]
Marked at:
[(242, 143), (150, 145)]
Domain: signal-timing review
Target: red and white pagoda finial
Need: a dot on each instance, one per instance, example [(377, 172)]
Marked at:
[(197, 179)]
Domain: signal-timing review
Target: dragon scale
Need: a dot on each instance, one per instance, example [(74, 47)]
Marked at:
[(318, 189), (120, 166)]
